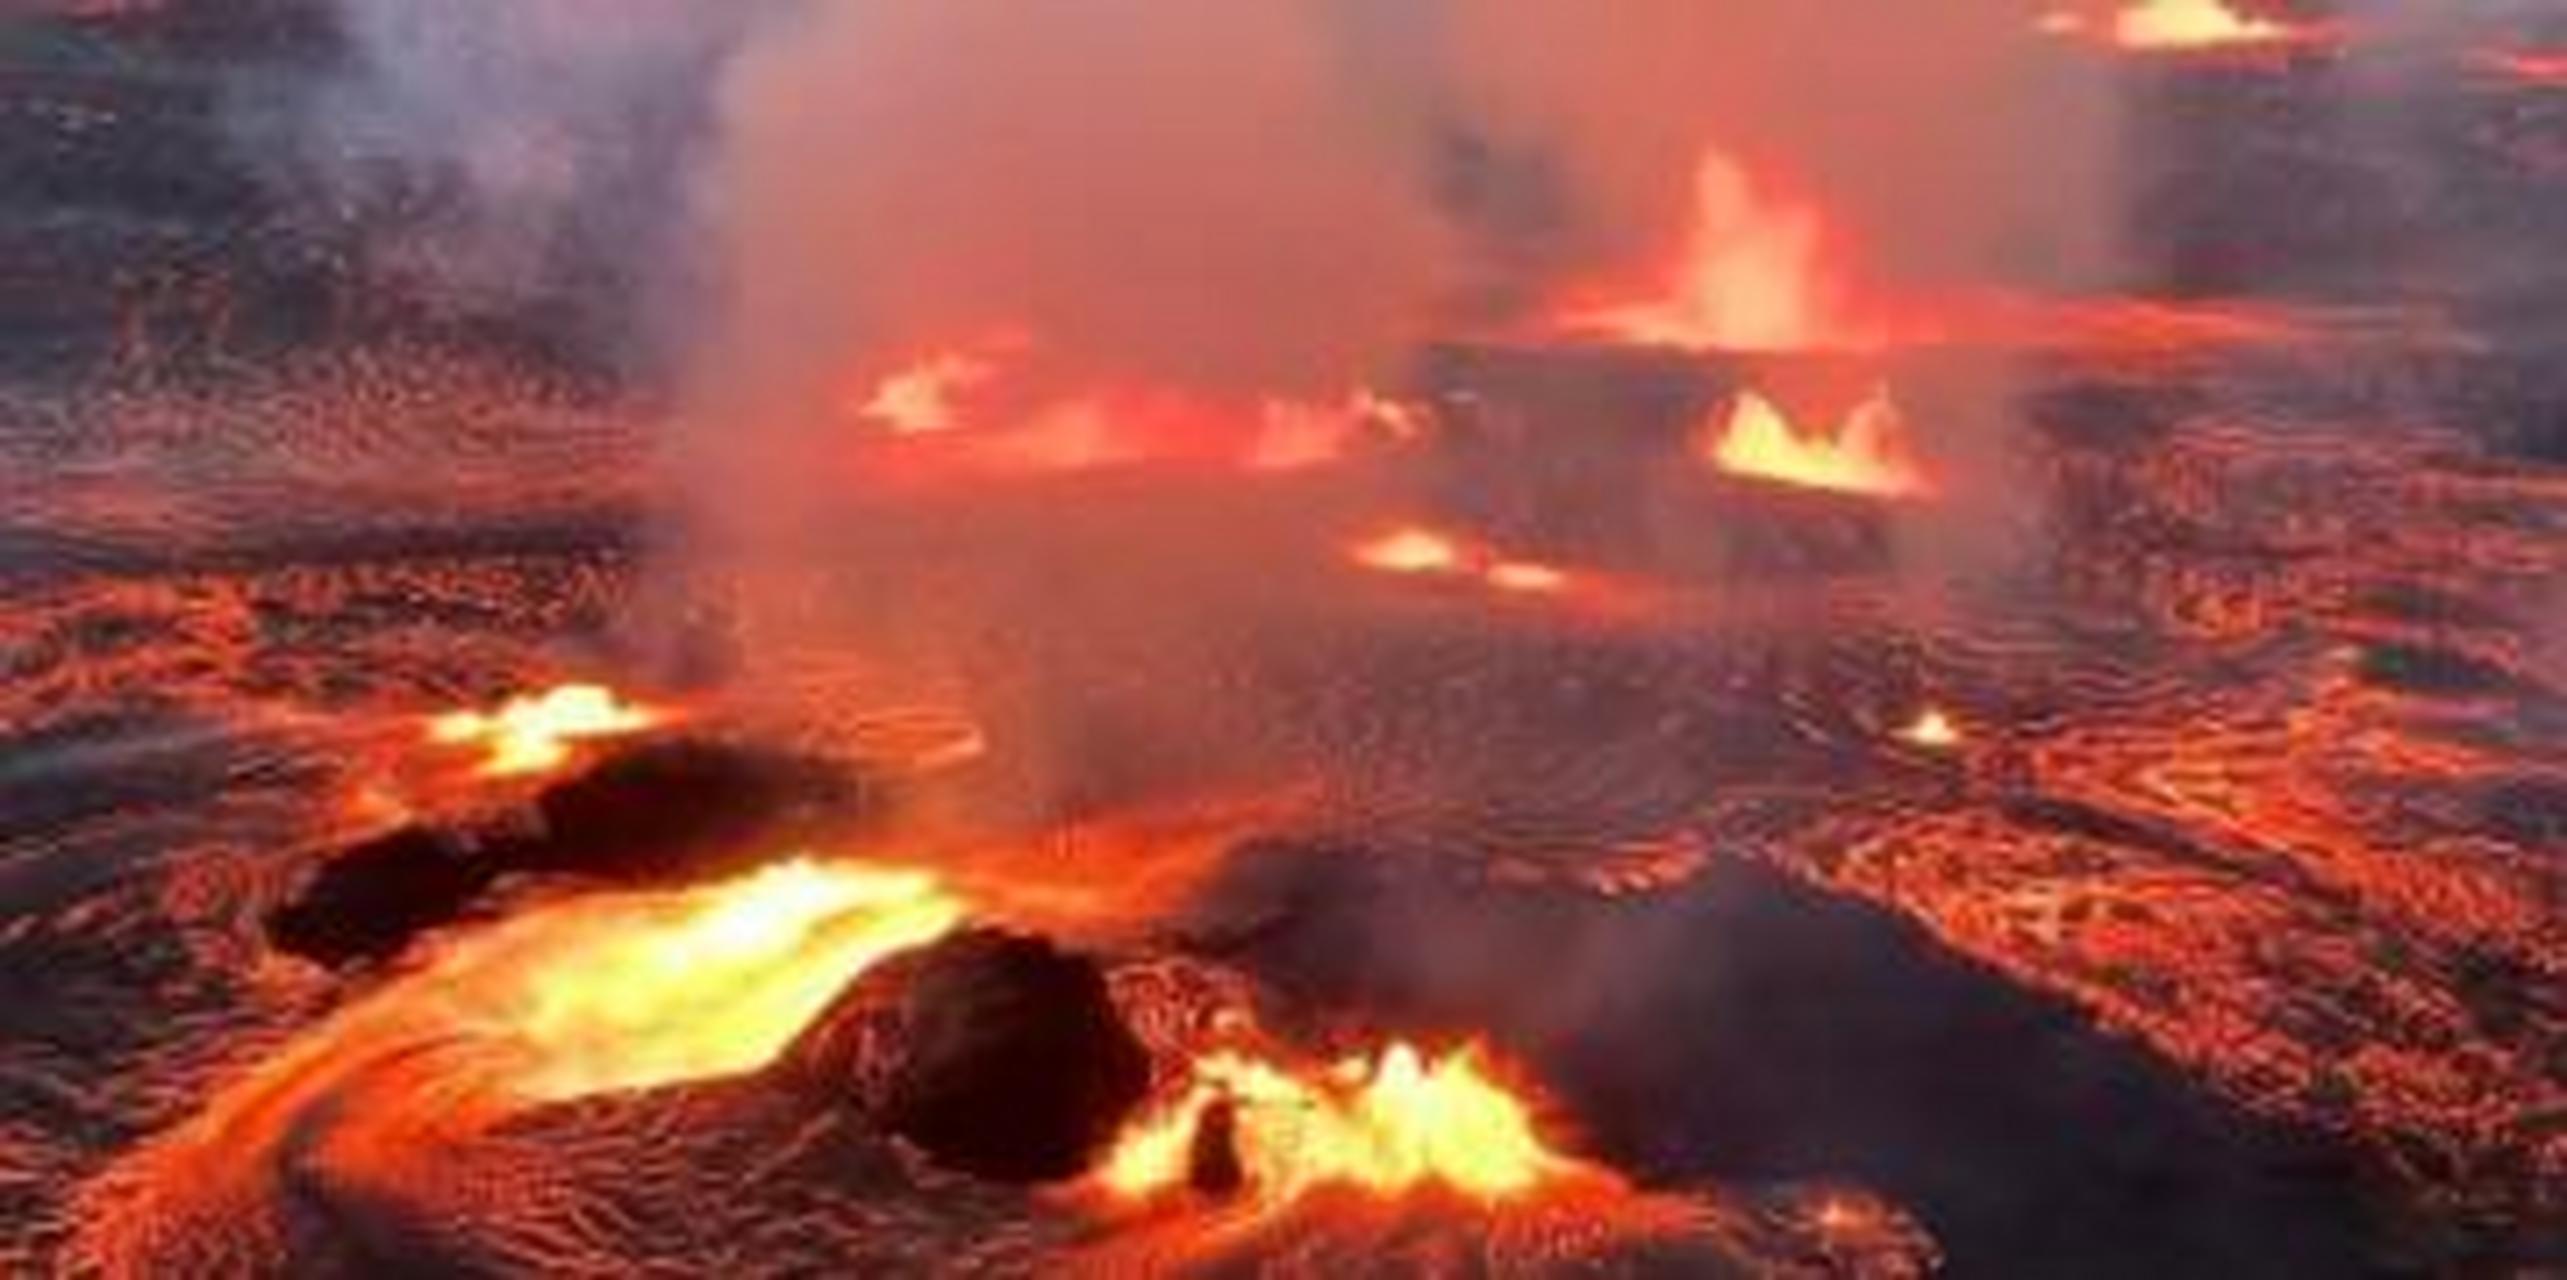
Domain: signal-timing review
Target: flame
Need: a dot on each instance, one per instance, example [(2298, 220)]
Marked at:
[(1387, 1126), (1758, 272), (1866, 455), (536, 733), (2193, 24), (1933, 729)]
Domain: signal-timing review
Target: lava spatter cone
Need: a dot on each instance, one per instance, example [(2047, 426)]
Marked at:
[(996, 1054)]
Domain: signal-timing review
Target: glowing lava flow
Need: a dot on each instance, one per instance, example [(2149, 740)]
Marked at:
[(1412, 551), (536, 733), (1867, 454), (1004, 405), (2193, 24), (708, 983), (1931, 729), (1388, 1126), (585, 996), (1398, 1162), (1758, 272), (606, 993), (1526, 577)]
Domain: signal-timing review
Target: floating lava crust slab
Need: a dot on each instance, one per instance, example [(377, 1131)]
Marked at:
[(2224, 938)]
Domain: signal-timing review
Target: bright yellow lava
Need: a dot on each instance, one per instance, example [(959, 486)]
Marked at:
[(1398, 1124), (2190, 24), (535, 733), (1412, 550), (1932, 728), (1527, 577), (1759, 271), (922, 398), (1866, 455), (707, 982)]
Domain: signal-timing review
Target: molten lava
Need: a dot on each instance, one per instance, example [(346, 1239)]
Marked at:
[(537, 733), (1527, 577), (924, 396), (1413, 551), (2193, 24), (710, 982), (1387, 1126), (1866, 455), (1758, 271), (1932, 729), (1005, 405), (606, 993), (584, 996), (1416, 552)]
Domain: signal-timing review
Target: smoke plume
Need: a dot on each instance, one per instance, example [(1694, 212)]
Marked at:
[(1227, 204)]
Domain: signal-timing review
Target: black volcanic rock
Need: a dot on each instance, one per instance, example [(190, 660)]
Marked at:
[(663, 812), (1212, 1158), (996, 1054), (678, 807), (371, 899), (2433, 671)]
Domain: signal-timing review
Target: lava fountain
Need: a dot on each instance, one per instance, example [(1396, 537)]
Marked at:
[(1397, 1161), (1867, 454), (1759, 270), (1385, 1124)]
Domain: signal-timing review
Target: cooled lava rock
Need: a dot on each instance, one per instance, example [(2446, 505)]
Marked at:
[(1212, 1155), (998, 1055), (662, 812), (681, 806), (371, 899)]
